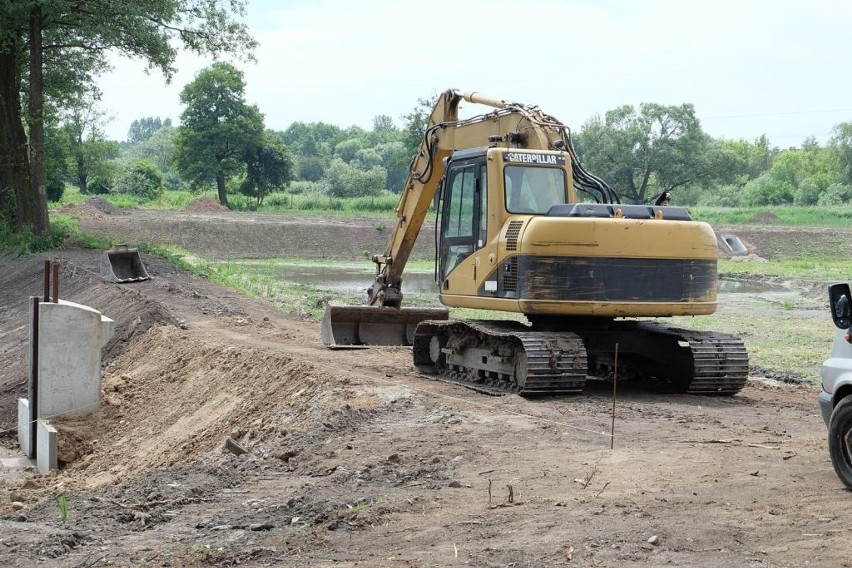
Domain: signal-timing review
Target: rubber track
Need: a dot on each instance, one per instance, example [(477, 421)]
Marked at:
[(556, 362), (720, 360)]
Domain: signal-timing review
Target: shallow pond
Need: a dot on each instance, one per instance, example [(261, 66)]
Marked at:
[(352, 279)]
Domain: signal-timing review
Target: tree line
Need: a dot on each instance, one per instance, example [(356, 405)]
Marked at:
[(52, 133), (643, 152), (646, 151)]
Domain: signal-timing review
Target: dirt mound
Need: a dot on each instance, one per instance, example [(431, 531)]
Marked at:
[(205, 204), (132, 312), (764, 217), (92, 208), (169, 399), (103, 206), (83, 210)]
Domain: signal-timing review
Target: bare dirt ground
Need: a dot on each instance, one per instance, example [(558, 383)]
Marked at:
[(355, 460)]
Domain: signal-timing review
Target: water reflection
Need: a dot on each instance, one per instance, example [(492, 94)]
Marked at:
[(351, 279), (743, 287)]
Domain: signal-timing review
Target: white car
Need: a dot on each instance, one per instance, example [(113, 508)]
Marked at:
[(835, 400)]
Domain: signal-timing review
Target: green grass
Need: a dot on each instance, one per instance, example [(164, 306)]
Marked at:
[(168, 200), (384, 205), (834, 216), (26, 242), (790, 343), (365, 264), (803, 271), (276, 203)]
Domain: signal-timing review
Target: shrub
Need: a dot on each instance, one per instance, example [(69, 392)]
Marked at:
[(347, 180), (807, 193), (55, 190), (141, 178), (308, 188), (725, 196), (385, 201), (836, 194), (766, 190), (99, 183), (282, 200)]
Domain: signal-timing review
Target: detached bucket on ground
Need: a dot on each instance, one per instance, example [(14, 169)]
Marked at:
[(121, 264), (361, 326)]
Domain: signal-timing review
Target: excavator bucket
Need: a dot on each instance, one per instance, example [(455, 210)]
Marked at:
[(121, 264), (362, 326)]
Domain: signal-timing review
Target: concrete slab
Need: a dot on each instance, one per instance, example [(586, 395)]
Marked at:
[(70, 340), (24, 427), (20, 462), (47, 447)]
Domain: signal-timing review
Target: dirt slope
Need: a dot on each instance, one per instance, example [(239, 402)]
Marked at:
[(355, 460)]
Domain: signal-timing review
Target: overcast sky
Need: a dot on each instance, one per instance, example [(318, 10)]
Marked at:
[(750, 67)]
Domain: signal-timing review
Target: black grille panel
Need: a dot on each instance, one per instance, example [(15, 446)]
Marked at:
[(512, 232), (614, 279)]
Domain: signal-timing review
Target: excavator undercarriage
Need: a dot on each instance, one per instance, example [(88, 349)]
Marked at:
[(508, 357)]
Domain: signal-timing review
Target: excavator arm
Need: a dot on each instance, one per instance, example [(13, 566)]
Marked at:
[(510, 125)]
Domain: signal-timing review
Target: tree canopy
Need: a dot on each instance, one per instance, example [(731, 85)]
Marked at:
[(268, 167), (143, 128), (58, 46), (218, 128), (647, 151)]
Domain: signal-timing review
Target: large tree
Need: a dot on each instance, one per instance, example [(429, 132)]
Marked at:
[(37, 37), (268, 167), (87, 144), (218, 128), (648, 151)]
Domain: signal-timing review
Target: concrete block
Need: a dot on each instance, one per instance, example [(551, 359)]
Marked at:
[(46, 459), (24, 427), (70, 340)]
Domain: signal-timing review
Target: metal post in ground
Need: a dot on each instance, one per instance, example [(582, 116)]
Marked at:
[(32, 379), (614, 385)]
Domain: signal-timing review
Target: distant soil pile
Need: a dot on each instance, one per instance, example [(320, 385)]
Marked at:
[(764, 217), (205, 204), (92, 208), (104, 206)]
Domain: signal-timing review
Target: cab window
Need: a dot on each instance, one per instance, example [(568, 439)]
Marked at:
[(533, 189)]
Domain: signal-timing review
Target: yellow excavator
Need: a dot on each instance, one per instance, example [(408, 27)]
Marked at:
[(524, 228)]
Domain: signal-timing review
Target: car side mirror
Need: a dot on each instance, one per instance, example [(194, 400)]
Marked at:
[(841, 305)]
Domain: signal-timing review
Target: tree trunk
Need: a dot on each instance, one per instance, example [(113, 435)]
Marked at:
[(14, 163), (82, 172), (37, 198), (220, 187)]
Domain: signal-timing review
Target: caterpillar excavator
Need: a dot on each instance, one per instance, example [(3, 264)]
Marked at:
[(524, 228)]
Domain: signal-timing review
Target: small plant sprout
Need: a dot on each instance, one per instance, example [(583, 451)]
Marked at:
[(62, 504)]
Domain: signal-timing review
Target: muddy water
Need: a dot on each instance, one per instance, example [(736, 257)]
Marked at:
[(351, 279)]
